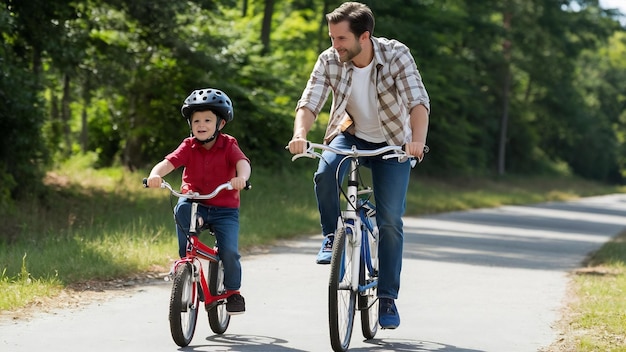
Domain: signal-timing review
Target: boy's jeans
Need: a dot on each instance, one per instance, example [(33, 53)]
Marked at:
[(390, 180), (225, 223)]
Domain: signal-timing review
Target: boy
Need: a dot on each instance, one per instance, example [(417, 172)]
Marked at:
[(210, 158)]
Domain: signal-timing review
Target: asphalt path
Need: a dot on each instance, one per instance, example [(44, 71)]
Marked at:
[(484, 280)]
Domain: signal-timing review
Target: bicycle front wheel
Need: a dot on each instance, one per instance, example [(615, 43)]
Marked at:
[(341, 298), (218, 316), (183, 306)]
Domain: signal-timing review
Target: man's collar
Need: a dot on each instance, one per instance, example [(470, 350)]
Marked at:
[(378, 58)]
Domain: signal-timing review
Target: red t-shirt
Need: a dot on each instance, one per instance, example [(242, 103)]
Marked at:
[(207, 169)]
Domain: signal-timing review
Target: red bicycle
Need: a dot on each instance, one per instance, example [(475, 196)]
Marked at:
[(193, 284)]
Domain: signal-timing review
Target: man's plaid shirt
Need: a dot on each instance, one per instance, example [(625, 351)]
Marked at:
[(396, 78)]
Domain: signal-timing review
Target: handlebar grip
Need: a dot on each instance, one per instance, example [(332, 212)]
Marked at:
[(426, 148)]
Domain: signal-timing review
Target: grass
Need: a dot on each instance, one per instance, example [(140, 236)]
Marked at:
[(103, 225), (596, 317)]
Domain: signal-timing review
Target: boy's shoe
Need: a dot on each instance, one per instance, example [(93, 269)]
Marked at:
[(388, 316), (235, 304), (326, 252)]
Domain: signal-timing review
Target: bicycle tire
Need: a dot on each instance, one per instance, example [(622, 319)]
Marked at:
[(341, 302), (368, 305), (184, 301), (368, 300), (219, 319)]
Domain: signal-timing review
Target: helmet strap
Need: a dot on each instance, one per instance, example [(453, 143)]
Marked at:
[(210, 139)]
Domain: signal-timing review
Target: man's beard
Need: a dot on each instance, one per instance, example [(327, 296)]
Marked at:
[(349, 54)]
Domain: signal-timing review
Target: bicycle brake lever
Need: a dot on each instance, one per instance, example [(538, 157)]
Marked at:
[(302, 155), (401, 157)]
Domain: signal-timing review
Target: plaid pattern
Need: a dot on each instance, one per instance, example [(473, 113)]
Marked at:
[(396, 78)]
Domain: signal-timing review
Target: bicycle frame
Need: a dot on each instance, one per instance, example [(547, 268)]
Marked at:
[(196, 249)]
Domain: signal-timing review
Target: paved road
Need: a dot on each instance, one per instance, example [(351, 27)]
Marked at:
[(485, 280)]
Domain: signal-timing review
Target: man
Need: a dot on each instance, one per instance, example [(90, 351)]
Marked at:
[(378, 99)]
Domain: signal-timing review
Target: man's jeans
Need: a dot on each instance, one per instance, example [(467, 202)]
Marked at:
[(225, 224), (390, 180)]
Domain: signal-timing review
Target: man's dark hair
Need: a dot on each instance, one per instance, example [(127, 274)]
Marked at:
[(358, 15)]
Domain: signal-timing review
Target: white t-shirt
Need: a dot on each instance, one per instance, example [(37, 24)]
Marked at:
[(362, 105)]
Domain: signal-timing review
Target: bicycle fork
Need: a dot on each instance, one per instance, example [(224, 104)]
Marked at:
[(352, 224)]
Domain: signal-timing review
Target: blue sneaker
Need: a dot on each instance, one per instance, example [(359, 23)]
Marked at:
[(326, 252), (388, 316)]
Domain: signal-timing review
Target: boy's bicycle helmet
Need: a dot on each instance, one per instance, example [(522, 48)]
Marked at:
[(208, 99)]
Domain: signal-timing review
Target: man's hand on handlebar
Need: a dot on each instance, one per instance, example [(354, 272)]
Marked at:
[(298, 145), (415, 149)]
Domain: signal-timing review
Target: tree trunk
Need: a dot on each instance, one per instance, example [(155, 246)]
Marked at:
[(267, 26), (506, 87), (84, 127), (66, 114), (322, 33)]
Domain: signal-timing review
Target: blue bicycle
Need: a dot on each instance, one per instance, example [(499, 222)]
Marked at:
[(354, 265)]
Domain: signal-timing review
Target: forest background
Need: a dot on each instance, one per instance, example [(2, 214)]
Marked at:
[(524, 87)]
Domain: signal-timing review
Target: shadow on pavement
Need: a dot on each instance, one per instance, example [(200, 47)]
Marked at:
[(253, 343), (229, 342), (397, 345)]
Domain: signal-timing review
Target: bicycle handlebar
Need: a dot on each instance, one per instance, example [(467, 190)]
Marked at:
[(397, 152), (195, 195)]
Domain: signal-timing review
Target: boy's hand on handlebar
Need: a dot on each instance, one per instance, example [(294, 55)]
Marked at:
[(154, 181), (298, 145), (238, 183)]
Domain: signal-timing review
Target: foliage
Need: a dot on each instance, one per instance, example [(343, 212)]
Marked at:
[(542, 81), (21, 149)]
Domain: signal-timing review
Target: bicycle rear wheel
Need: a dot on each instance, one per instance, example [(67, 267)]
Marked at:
[(368, 304), (218, 316), (341, 299), (184, 300), (368, 301)]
